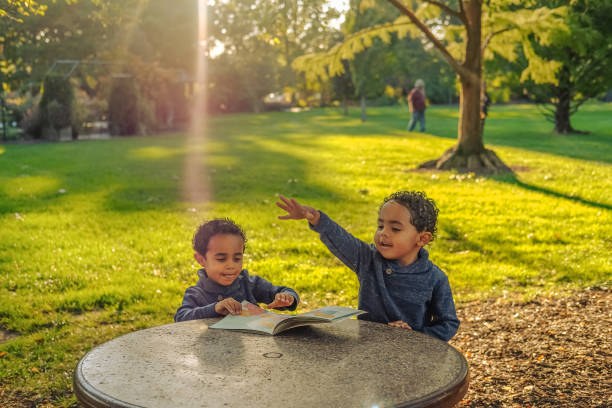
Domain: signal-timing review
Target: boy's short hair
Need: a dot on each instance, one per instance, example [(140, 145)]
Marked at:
[(213, 227), (423, 210)]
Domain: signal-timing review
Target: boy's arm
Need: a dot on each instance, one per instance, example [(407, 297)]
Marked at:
[(352, 251), (445, 322), (342, 244), (265, 292), (190, 310)]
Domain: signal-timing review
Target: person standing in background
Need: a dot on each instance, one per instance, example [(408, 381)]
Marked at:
[(416, 104)]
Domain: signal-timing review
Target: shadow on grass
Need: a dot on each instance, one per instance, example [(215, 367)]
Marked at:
[(138, 174), (517, 126), (513, 179), (497, 251), (141, 174), (263, 174)]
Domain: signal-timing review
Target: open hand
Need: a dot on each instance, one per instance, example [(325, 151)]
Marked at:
[(401, 324), (296, 211), (228, 305), (282, 299)]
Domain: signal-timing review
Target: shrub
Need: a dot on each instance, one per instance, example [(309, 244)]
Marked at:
[(56, 104), (128, 112), (31, 120), (86, 109)]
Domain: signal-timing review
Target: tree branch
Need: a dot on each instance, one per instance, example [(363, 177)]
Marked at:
[(459, 69), (576, 105), (600, 64), (546, 111), (487, 40), (448, 10)]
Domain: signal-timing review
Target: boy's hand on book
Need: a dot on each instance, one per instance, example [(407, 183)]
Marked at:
[(228, 305), (281, 300), (401, 324), (296, 211)]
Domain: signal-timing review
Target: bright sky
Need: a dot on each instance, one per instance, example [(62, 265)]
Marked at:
[(342, 6)]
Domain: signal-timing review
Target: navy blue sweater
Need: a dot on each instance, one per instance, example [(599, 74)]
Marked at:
[(418, 294), (200, 300)]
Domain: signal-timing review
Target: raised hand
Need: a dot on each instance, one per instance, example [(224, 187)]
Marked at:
[(296, 211), (281, 300), (228, 305)]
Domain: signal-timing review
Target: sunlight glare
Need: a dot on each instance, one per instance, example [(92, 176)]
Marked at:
[(195, 184)]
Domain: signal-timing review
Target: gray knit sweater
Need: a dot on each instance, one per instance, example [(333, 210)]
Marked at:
[(418, 294), (200, 300)]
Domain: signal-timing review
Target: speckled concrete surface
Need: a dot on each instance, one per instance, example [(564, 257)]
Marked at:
[(348, 364)]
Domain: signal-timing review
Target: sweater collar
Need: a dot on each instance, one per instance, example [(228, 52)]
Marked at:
[(420, 265), (211, 286)]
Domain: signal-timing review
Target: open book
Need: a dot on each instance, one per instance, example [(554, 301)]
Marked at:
[(256, 319)]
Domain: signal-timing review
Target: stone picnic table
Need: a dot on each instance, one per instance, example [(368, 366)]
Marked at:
[(353, 363)]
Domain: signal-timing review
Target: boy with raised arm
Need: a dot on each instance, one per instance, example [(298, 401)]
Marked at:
[(399, 285)]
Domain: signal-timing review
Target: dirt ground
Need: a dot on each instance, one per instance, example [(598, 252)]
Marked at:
[(550, 352)]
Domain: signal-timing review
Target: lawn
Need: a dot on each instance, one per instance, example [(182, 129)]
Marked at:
[(95, 236)]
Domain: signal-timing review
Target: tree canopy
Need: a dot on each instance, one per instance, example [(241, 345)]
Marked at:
[(581, 49)]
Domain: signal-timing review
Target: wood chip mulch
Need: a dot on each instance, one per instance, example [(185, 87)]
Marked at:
[(549, 352)]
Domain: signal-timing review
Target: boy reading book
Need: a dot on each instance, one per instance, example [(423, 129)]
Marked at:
[(223, 285)]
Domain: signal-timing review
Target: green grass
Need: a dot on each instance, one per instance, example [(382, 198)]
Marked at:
[(95, 235)]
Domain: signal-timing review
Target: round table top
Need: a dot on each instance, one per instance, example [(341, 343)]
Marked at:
[(353, 363)]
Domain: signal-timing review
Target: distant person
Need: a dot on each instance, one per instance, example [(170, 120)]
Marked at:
[(399, 285), (416, 104), (485, 102), (223, 284)]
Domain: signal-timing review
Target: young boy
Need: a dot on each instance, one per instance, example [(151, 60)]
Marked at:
[(223, 284), (399, 285)]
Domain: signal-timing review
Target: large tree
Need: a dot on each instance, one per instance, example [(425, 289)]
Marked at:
[(583, 47), (456, 28)]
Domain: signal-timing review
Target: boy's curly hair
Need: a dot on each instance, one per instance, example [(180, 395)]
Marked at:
[(213, 227), (423, 210)]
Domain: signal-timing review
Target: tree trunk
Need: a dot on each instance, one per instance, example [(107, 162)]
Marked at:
[(470, 135), (469, 154), (345, 105), (562, 116), (363, 108), (562, 106)]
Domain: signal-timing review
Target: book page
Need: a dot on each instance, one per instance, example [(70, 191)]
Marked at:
[(333, 313), (253, 318)]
